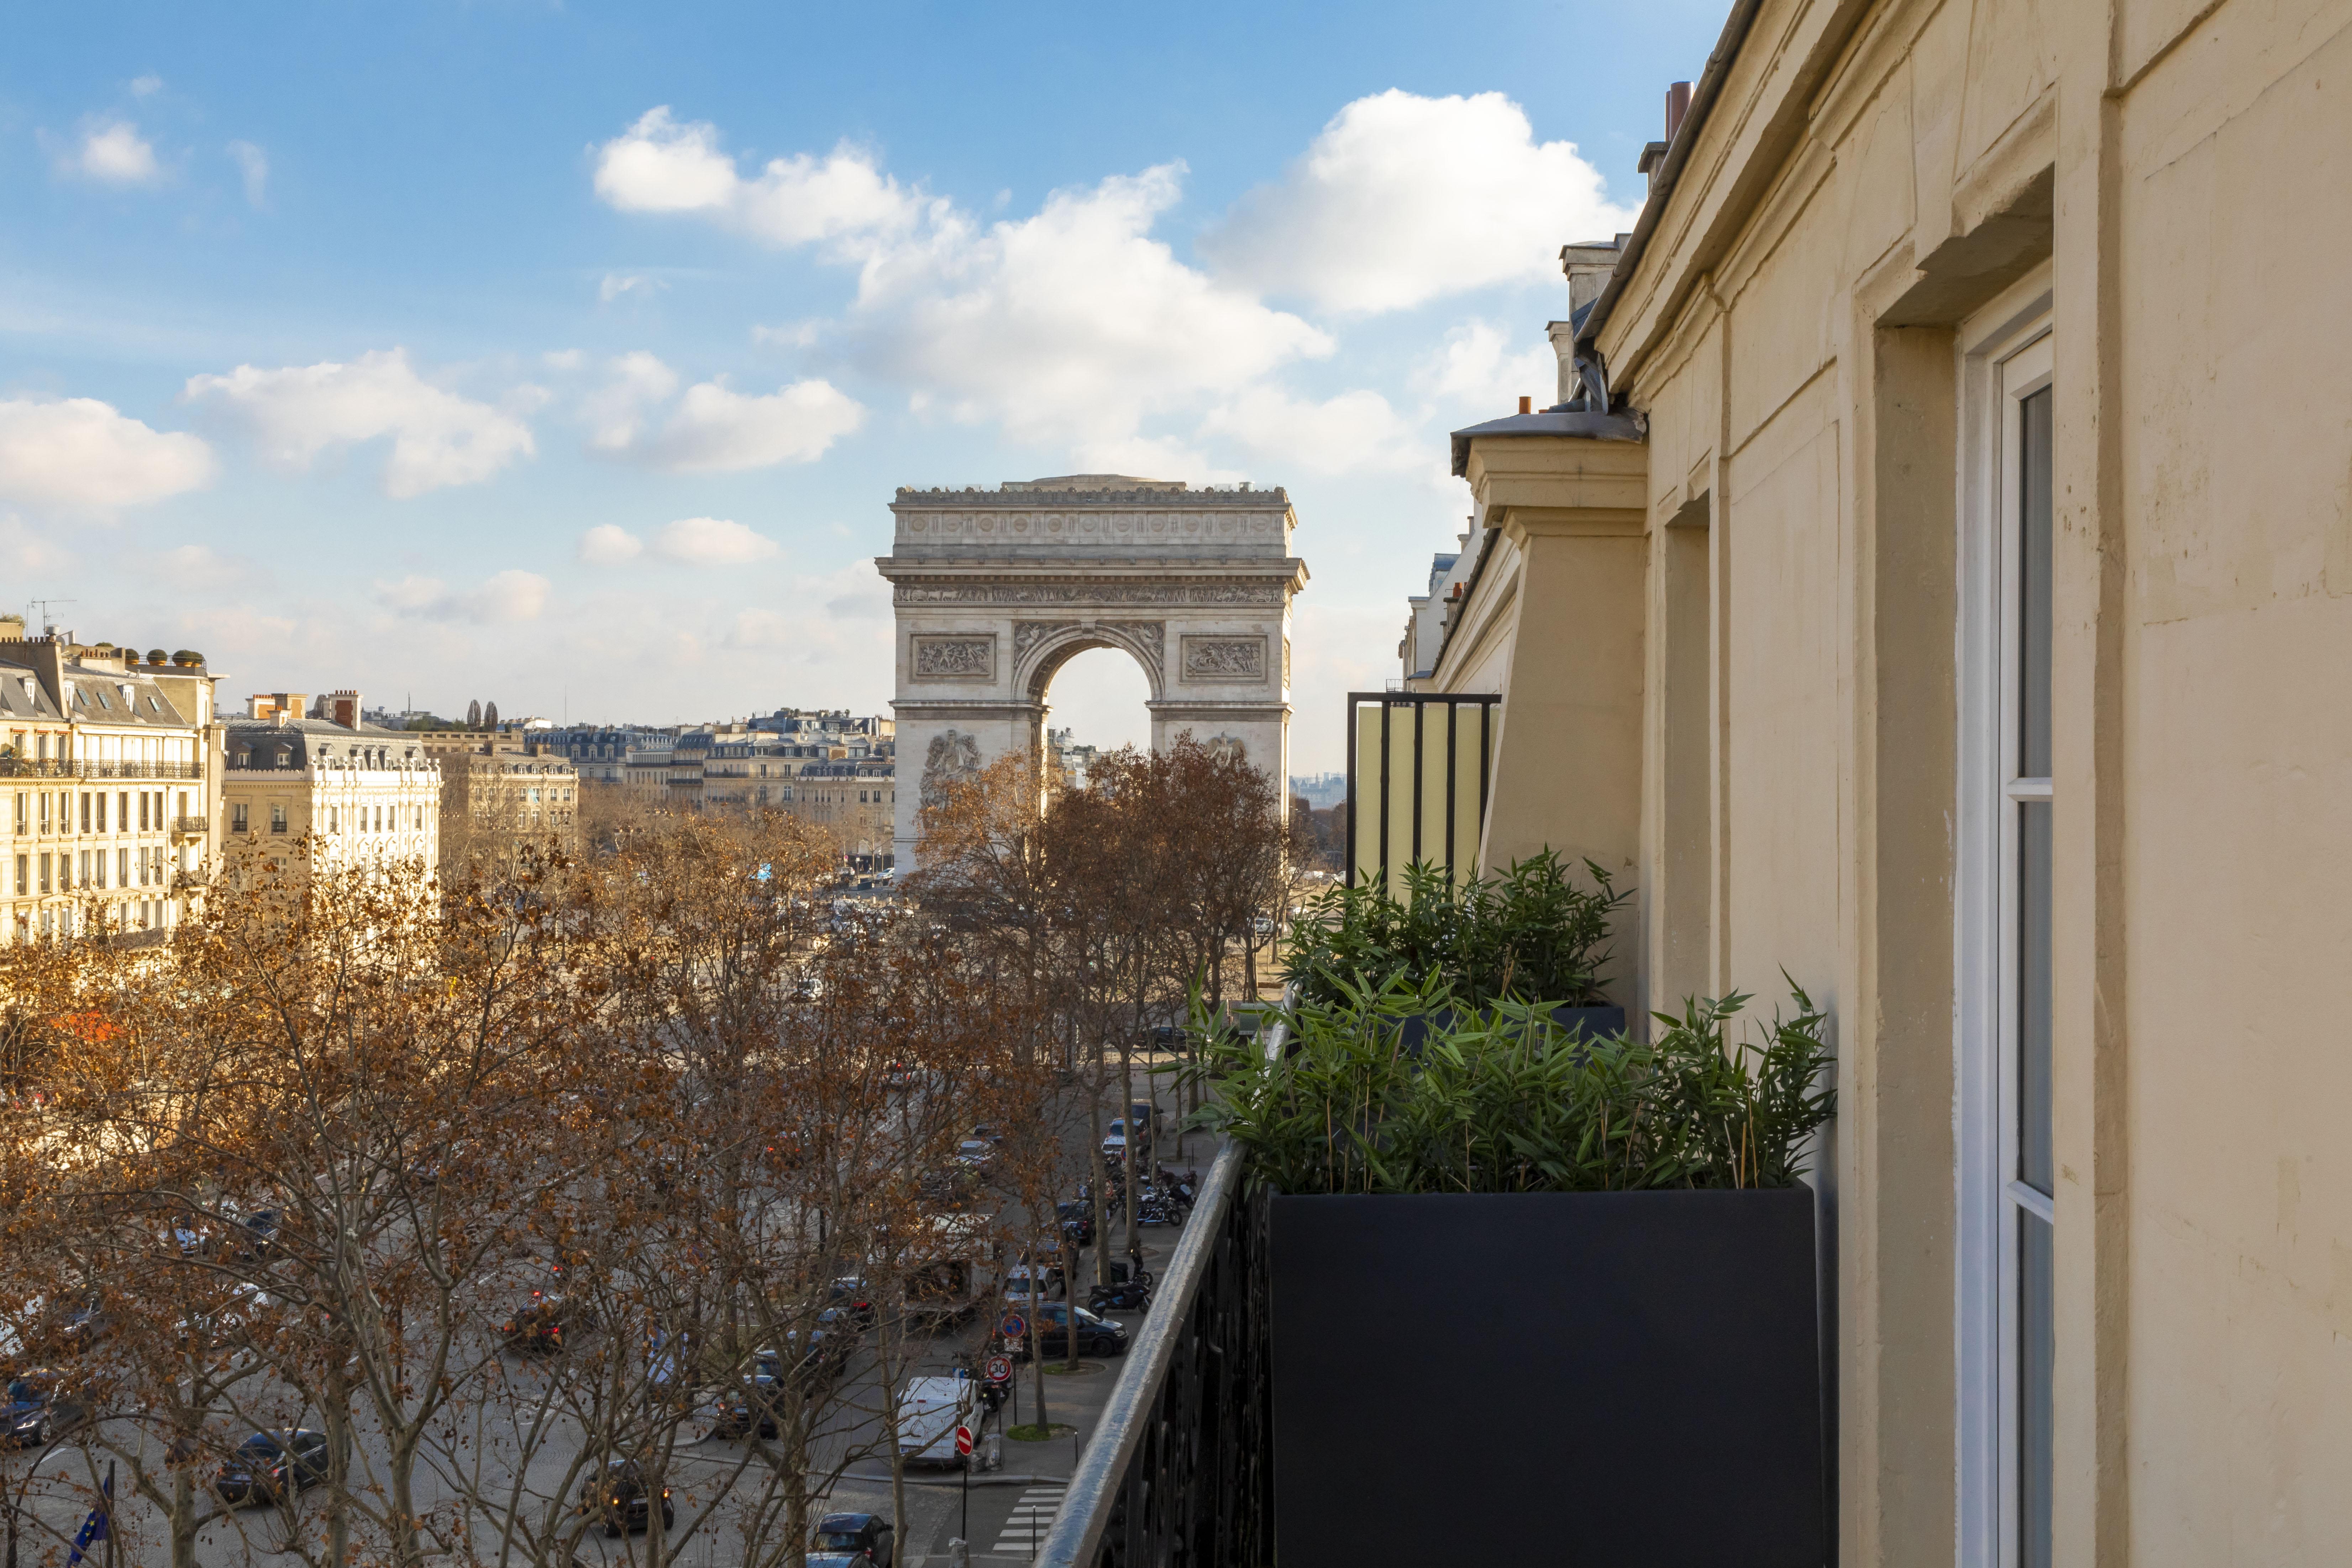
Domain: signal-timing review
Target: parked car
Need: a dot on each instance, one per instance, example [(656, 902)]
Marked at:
[(1097, 1335), (254, 1236), (37, 1413), (849, 1295), (271, 1466), (1077, 1222), (1115, 1143), (975, 1154), (748, 1410), (851, 1540), (618, 1496), (990, 1131), (930, 1411), (1050, 1283)]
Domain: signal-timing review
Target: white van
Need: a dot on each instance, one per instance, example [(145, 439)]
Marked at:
[(930, 1411)]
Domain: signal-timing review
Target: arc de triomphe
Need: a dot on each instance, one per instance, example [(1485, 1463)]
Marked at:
[(994, 590)]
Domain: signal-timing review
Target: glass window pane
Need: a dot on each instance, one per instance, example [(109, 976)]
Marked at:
[(2033, 1158), (2037, 1346), (2033, 617)]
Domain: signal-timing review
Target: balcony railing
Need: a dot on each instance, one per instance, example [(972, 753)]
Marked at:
[(51, 768), (1180, 1469), (1419, 766), (190, 827)]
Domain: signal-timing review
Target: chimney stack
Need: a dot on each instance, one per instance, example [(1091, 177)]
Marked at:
[(343, 708), (1677, 106)]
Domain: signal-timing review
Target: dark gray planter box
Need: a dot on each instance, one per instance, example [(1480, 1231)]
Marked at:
[(1592, 1022), (1626, 1379)]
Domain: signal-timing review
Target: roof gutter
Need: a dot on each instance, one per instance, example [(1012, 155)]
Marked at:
[(1661, 187)]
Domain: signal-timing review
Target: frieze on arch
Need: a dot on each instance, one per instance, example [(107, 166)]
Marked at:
[(1094, 591)]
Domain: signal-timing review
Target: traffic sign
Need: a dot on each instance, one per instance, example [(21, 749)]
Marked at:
[(964, 1440), (1014, 1327), (999, 1369)]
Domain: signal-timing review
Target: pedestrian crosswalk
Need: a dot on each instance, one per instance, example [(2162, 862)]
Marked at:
[(1032, 1516)]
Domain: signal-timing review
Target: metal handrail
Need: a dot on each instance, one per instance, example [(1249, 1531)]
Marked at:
[(1076, 1539)]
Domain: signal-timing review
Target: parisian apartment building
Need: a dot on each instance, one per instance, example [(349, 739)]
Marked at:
[(317, 772), (501, 790), (109, 771), (826, 766), (1919, 584)]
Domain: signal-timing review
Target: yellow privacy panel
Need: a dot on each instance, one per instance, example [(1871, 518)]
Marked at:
[(1417, 774)]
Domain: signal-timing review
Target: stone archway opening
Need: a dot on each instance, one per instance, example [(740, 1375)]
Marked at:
[(1094, 700)]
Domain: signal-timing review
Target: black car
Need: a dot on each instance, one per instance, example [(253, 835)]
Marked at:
[(270, 1466), (254, 1237), (851, 1540), (37, 1413), (749, 1410), (1096, 1335), (1077, 1222), (850, 1296), (538, 1326), (618, 1496)]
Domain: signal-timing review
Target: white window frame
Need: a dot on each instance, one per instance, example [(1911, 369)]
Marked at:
[(2005, 357)]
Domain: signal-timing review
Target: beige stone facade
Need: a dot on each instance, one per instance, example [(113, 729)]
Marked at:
[(499, 792), (108, 775), (1976, 375), (360, 792)]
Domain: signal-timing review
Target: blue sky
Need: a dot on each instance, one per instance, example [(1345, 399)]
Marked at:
[(568, 356)]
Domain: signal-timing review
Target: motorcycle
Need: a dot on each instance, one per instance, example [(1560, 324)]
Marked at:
[(1134, 1296)]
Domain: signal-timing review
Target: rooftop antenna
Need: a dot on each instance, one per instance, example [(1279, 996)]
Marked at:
[(38, 611)]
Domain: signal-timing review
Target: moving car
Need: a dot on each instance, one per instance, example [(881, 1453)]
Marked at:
[(271, 1466), (1097, 1335), (1078, 1221), (539, 1325), (617, 1495), (851, 1540), (849, 1295), (930, 1411), (35, 1413), (748, 1410)]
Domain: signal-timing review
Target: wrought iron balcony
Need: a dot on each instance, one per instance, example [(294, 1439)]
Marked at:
[(54, 768), (1180, 1472), (190, 827)]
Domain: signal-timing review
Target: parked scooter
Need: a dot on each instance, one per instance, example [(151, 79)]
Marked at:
[(1133, 1295)]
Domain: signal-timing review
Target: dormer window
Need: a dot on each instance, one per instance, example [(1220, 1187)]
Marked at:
[(130, 697)]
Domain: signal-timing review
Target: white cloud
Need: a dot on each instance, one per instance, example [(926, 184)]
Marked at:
[(438, 437), (201, 568), (712, 542), (717, 430), (80, 452), (113, 153), (1402, 199), (615, 412), (616, 284), (1477, 367), (507, 596), (1074, 324), (1071, 326), (146, 86), (658, 165), (29, 549), (609, 544), (254, 164), (713, 428), (1346, 434)]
